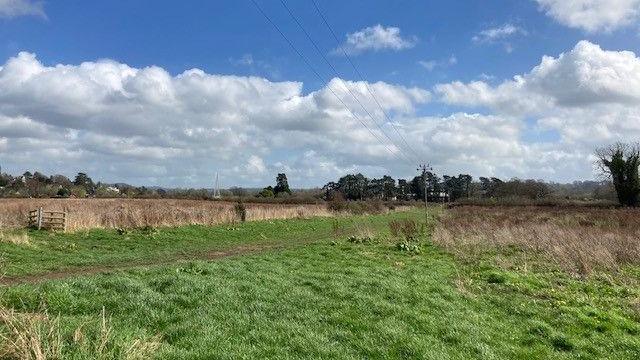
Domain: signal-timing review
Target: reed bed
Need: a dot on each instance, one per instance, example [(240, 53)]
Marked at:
[(579, 240), (133, 213)]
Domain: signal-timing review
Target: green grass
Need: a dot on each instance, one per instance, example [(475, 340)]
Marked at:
[(334, 299), (48, 251)]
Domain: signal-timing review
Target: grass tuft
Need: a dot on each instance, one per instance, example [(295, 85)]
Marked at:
[(38, 336)]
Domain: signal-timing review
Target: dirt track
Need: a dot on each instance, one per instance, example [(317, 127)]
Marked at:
[(101, 269)]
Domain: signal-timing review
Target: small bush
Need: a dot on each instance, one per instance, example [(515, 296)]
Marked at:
[(241, 211), (408, 229)]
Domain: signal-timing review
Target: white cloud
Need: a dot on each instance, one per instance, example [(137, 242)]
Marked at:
[(154, 127), (375, 38), (502, 35), (431, 65), (585, 75), (147, 126), (592, 15), (15, 8), (492, 145), (255, 164), (588, 96), (498, 33)]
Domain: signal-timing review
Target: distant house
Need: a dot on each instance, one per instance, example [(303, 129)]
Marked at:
[(438, 196), (113, 189)]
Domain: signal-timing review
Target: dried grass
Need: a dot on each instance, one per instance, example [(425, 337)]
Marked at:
[(408, 229), (15, 238), (132, 213), (577, 239), (38, 336)]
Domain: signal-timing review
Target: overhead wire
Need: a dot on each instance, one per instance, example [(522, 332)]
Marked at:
[(353, 65), (317, 74), (342, 82)]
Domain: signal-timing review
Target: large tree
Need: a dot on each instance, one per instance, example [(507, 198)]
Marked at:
[(620, 162), (354, 187), (282, 185)]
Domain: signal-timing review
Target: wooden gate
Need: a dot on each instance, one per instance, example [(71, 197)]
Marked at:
[(50, 220)]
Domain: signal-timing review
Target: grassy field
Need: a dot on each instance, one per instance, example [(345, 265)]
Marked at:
[(351, 287)]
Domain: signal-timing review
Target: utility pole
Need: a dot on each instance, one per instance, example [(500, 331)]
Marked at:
[(216, 190), (424, 168)]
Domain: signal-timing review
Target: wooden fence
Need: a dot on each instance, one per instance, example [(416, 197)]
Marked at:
[(50, 220)]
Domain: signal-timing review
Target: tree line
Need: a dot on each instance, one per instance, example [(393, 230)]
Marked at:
[(452, 188), (619, 162), (38, 185), (348, 187)]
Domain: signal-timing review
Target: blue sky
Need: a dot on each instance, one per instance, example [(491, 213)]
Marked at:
[(444, 72)]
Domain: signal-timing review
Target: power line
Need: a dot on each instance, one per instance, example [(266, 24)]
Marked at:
[(324, 20), (306, 61), (315, 45)]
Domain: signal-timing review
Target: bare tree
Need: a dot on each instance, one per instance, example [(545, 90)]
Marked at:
[(620, 162)]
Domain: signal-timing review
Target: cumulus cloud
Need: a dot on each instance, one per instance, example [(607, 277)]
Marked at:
[(585, 75), (592, 15), (588, 96), (375, 38), (15, 8), (150, 126), (147, 126), (493, 145)]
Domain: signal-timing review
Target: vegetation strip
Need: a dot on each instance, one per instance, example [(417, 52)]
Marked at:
[(120, 266), (86, 271)]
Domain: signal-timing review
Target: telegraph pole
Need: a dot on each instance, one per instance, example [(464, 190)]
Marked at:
[(424, 168), (216, 189)]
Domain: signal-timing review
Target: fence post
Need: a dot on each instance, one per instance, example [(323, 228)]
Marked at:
[(40, 218)]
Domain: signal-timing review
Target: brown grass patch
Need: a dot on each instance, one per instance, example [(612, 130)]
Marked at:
[(38, 336), (133, 213), (15, 238), (577, 239)]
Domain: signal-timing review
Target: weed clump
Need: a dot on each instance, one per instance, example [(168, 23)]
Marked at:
[(359, 239), (363, 235), (241, 211), (409, 232), (408, 229), (192, 269), (408, 247)]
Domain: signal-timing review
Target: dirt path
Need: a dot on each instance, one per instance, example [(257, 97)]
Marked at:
[(101, 269)]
